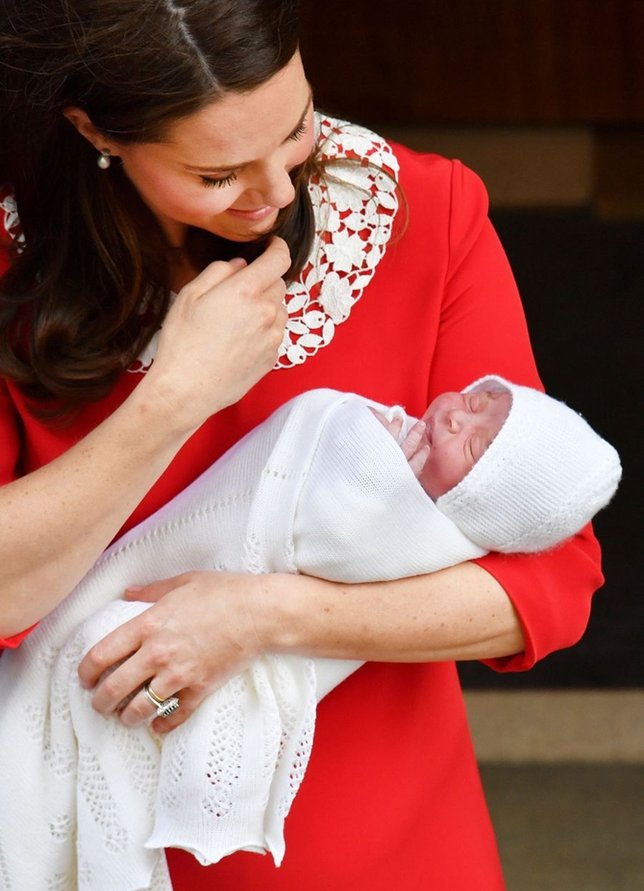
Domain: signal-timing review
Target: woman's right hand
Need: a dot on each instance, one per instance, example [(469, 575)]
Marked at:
[(220, 336)]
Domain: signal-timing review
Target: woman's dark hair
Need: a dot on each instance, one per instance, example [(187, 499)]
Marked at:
[(71, 305)]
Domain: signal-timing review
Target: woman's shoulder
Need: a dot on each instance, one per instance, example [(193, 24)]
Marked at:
[(431, 183), (444, 181)]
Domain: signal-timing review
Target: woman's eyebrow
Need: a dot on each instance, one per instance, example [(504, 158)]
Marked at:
[(242, 164)]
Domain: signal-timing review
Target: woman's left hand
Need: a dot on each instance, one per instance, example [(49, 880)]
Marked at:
[(198, 632)]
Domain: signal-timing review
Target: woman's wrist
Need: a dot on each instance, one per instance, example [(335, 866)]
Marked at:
[(281, 607), (161, 407)]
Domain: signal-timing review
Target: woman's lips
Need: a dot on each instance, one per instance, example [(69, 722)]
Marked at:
[(259, 213)]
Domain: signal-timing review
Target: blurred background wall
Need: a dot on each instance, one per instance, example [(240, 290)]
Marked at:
[(545, 100)]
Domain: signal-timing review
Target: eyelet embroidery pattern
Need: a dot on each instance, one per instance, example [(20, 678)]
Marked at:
[(355, 205)]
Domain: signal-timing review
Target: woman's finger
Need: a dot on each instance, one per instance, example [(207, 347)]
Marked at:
[(121, 684), (153, 591), (158, 658), (271, 265), (214, 274), (141, 708), (189, 702), (257, 276), (113, 650)]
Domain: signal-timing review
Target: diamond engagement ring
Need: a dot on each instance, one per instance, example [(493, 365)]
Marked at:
[(164, 707)]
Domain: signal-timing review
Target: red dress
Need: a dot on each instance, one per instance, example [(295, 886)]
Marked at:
[(392, 797)]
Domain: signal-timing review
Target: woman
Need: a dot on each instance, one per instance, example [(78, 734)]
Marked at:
[(154, 148)]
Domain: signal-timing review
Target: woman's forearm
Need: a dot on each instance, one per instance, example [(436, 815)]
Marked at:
[(457, 613), (204, 627), (57, 520)]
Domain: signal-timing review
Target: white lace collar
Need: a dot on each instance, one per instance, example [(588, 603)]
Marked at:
[(354, 209), (11, 220)]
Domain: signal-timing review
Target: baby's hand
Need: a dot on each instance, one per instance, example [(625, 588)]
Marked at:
[(414, 448)]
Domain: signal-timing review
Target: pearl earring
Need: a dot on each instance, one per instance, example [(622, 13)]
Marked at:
[(104, 160)]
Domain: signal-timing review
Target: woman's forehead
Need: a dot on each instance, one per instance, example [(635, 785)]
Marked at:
[(236, 124)]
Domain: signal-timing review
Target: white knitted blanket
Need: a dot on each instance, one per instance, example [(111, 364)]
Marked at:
[(322, 488)]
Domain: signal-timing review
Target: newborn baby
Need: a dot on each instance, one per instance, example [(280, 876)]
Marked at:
[(320, 488), (514, 469)]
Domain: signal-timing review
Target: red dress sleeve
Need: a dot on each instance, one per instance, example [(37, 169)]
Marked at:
[(483, 330)]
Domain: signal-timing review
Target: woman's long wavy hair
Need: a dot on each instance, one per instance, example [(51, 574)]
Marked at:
[(71, 304)]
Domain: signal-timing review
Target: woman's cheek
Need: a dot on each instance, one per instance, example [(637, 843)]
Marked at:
[(208, 201), (306, 149), (301, 151)]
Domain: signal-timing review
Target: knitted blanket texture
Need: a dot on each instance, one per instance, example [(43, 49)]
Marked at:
[(320, 488)]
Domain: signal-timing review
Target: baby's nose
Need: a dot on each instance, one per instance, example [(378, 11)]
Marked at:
[(457, 418)]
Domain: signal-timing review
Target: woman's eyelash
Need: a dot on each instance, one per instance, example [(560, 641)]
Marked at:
[(299, 133), (211, 183)]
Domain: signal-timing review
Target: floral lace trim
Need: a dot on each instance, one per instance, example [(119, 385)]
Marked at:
[(11, 219), (355, 206)]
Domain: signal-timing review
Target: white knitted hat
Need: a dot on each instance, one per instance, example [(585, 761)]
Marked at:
[(543, 477)]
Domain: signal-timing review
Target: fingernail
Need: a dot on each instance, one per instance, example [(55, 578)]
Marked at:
[(134, 588)]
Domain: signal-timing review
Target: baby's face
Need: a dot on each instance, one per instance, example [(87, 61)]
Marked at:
[(460, 427)]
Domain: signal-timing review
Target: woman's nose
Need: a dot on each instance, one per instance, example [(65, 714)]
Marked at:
[(275, 187)]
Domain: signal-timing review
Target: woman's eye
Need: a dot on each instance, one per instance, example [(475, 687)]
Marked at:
[(211, 183), (299, 133)]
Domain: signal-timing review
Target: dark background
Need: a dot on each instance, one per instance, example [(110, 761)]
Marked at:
[(524, 63)]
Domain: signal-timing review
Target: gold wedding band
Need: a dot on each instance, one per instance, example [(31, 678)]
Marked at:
[(164, 707), (154, 698)]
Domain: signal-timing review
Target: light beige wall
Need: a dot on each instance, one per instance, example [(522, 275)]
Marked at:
[(554, 726)]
